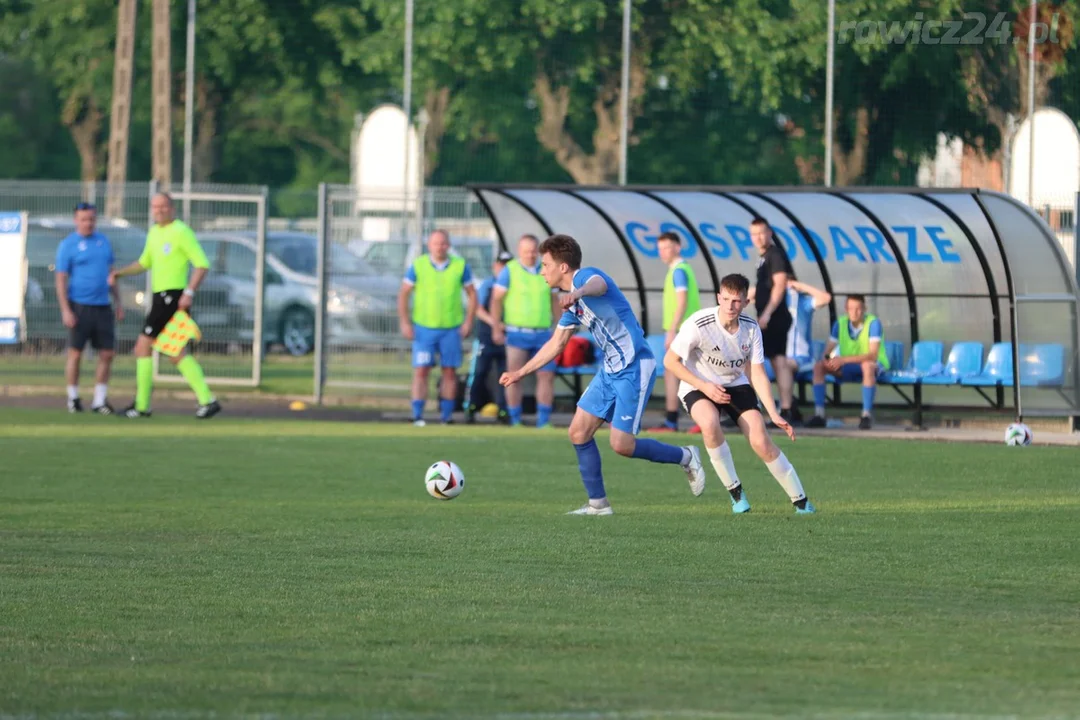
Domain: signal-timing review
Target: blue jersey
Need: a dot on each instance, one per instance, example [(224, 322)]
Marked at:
[(801, 307), (87, 261), (679, 279), (611, 321), (483, 299)]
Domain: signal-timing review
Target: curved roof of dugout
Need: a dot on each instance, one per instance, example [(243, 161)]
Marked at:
[(935, 264)]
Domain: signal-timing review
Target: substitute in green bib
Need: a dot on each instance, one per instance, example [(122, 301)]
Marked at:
[(681, 300), (860, 341), (437, 321), (525, 306), (171, 247)]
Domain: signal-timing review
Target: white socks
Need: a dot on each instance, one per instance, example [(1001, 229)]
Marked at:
[(725, 466), (785, 474), (73, 392), (100, 392)]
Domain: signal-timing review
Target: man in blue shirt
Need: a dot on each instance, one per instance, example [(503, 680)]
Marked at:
[(619, 391), (486, 353), (84, 260)]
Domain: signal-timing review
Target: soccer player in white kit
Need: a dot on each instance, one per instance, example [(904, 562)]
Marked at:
[(711, 354)]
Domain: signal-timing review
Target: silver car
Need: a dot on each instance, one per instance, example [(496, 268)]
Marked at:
[(361, 302)]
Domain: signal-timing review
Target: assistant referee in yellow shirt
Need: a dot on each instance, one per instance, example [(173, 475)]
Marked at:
[(170, 247)]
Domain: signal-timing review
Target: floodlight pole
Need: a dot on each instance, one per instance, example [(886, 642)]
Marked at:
[(406, 104), (189, 107), (1031, 105), (830, 54), (624, 95)]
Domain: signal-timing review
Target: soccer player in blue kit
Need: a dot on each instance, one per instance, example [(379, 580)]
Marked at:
[(619, 391)]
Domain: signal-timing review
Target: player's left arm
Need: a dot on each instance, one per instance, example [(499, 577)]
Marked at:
[(470, 309), (759, 380), (682, 290), (595, 286), (200, 267), (776, 297), (544, 355), (820, 297)]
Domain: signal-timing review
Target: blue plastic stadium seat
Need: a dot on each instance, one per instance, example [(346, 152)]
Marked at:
[(1042, 365), (997, 370), (925, 360), (965, 360), (656, 344), (894, 350)]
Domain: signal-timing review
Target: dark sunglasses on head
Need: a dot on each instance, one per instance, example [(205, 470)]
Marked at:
[(85, 206)]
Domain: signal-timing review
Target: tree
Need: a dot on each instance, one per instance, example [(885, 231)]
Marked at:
[(69, 42)]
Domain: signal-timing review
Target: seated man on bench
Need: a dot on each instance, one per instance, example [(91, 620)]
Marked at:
[(861, 343)]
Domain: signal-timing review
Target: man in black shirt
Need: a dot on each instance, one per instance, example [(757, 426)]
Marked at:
[(486, 354), (770, 298)]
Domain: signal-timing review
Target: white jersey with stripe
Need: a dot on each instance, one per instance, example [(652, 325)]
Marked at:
[(715, 355), (801, 307)]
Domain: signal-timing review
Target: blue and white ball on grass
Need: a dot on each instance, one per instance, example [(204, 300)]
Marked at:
[(444, 480), (1018, 434)]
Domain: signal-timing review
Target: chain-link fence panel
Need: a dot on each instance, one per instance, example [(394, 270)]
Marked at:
[(371, 239), (232, 307), (123, 217)]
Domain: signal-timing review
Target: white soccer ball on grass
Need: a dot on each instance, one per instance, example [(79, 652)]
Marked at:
[(444, 480)]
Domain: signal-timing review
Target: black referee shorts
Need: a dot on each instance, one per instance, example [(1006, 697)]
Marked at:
[(743, 398), (162, 308), (94, 324), (774, 336)]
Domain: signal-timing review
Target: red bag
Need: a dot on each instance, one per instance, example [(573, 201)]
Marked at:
[(578, 352)]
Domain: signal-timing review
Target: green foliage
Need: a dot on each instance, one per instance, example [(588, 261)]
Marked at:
[(723, 90)]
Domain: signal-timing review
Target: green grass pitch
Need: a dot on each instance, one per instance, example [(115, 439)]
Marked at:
[(297, 569)]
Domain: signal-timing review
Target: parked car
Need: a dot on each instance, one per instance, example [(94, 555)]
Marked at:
[(361, 302), (395, 256), (217, 320)]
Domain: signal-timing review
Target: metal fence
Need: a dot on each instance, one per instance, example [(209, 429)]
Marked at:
[(366, 242), (227, 307), (296, 305)]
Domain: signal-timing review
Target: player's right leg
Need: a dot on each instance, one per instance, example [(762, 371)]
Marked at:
[(424, 349), (869, 389), (162, 309), (707, 415), (588, 418), (516, 357), (819, 396), (77, 337), (104, 341), (671, 405), (632, 387), (449, 360), (753, 426), (596, 405)]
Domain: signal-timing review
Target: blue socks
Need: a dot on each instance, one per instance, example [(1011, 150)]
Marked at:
[(446, 409), (819, 395), (515, 415), (658, 452), (543, 415), (868, 399), (589, 466), (417, 409)]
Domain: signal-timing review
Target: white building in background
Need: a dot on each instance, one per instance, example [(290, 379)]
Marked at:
[(1056, 172), (386, 194), (944, 169), (1056, 177)]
